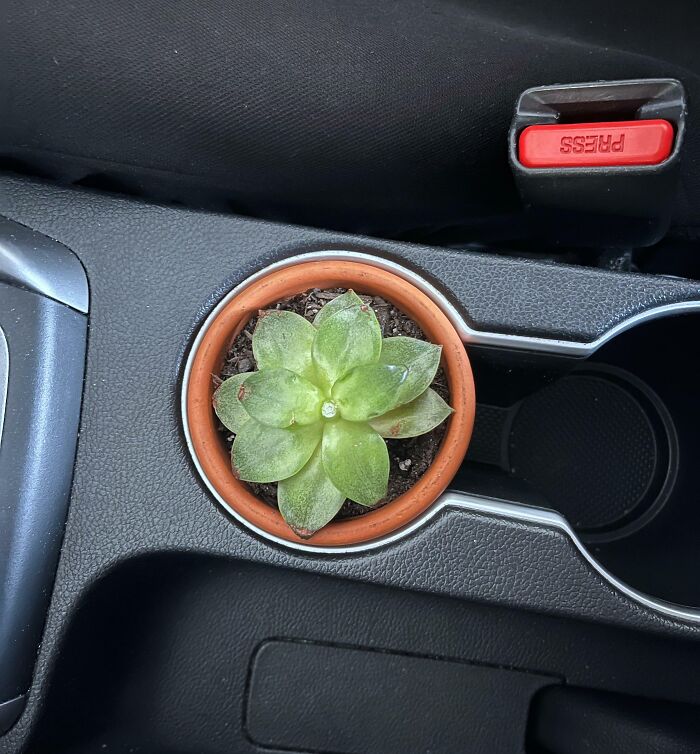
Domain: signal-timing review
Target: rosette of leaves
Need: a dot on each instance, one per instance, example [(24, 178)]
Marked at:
[(315, 415)]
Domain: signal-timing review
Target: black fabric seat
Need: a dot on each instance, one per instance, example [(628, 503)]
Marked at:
[(366, 115)]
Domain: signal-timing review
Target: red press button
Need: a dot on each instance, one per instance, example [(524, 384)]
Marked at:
[(574, 145)]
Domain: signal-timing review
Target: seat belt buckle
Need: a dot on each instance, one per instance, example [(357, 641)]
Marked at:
[(597, 164)]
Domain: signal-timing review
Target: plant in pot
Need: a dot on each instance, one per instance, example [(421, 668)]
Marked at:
[(315, 415), (328, 403)]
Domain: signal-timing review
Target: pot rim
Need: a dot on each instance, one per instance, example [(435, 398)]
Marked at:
[(223, 324)]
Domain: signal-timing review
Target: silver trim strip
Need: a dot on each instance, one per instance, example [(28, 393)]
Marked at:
[(40, 264), (4, 378), (468, 333), (554, 520), (458, 500)]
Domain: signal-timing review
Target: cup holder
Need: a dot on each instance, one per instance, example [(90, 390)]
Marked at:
[(608, 441)]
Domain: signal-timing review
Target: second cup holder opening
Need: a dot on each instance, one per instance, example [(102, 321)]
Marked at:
[(608, 441)]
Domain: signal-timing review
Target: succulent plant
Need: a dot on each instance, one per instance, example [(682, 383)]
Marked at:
[(315, 415)]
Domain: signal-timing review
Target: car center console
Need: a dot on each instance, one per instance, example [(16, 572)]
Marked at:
[(573, 516)]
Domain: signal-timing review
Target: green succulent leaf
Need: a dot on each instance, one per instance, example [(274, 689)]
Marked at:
[(419, 357), (349, 338), (268, 454), (283, 340), (227, 405), (314, 417), (280, 398), (419, 416), (344, 301), (308, 500), (368, 391), (356, 460)]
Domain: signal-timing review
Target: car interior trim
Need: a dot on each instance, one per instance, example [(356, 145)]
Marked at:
[(40, 264), (454, 499), (468, 334), (4, 378), (552, 519)]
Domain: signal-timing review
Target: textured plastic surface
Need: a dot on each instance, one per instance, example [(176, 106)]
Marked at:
[(578, 721), (175, 635), (587, 444), (9, 712), (644, 142), (155, 272), (315, 697)]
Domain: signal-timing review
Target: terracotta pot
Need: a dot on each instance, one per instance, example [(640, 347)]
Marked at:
[(208, 443)]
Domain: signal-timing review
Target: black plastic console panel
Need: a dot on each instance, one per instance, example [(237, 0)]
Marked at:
[(303, 695), (155, 273)]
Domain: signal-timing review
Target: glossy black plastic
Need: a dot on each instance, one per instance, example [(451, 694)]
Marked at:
[(46, 346)]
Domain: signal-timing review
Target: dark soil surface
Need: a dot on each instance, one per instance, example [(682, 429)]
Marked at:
[(409, 458)]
